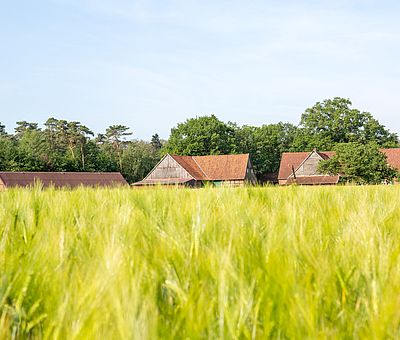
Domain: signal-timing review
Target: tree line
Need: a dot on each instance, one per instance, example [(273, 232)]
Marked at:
[(70, 146)]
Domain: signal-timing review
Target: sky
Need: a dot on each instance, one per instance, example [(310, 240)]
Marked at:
[(152, 64)]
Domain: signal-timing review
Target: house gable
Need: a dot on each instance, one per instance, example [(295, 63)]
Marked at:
[(168, 167), (309, 167)]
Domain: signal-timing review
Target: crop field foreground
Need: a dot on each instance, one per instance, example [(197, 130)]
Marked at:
[(246, 263)]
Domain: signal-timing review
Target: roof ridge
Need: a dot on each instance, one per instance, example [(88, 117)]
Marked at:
[(200, 167)]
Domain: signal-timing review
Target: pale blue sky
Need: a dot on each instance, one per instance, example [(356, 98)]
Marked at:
[(152, 64)]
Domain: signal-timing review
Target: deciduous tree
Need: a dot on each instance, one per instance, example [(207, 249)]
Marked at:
[(359, 163), (205, 135)]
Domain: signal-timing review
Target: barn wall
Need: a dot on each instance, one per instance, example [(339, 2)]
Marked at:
[(168, 168), (310, 166), (233, 183)]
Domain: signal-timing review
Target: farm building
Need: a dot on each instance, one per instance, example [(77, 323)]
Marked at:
[(301, 167), (60, 179), (195, 171)]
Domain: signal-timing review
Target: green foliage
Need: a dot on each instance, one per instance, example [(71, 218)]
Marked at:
[(2, 130), (156, 142), (215, 263), (69, 146), (358, 163), (334, 121), (138, 159), (8, 152), (265, 144), (205, 135)]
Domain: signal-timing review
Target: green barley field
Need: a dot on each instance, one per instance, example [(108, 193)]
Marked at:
[(248, 263)]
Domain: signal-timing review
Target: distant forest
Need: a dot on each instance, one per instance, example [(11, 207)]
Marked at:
[(70, 146)]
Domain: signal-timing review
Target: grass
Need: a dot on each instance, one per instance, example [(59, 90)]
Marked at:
[(246, 263)]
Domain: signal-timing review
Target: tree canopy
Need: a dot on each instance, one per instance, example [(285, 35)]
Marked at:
[(333, 121), (71, 146), (205, 135)]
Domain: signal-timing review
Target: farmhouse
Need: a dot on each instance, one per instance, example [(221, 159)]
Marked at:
[(195, 171), (301, 167), (60, 179)]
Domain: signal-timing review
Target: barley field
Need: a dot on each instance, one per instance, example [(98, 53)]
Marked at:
[(248, 263)]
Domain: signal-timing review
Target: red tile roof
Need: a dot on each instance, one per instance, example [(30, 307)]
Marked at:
[(62, 179), (189, 164), (393, 157), (223, 167), (294, 159), (314, 180), (215, 167)]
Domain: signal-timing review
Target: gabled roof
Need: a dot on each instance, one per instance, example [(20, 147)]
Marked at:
[(205, 168), (62, 179), (215, 167), (393, 157), (223, 167), (189, 164), (291, 160)]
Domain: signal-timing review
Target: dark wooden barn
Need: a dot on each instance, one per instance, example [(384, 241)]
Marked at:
[(61, 179)]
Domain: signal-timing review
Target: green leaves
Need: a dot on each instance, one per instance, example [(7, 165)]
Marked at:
[(334, 121), (205, 135)]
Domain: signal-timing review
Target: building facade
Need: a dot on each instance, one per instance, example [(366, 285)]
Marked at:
[(197, 171), (302, 167)]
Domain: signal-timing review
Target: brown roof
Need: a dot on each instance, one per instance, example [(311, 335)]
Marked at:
[(393, 157), (223, 167), (62, 179), (216, 167), (294, 159), (188, 163), (314, 180)]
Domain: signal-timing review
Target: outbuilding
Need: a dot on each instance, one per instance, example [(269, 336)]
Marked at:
[(61, 179), (196, 171), (302, 167)]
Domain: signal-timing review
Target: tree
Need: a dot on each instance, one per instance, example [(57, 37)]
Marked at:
[(78, 136), (359, 163), (32, 151), (156, 142), (138, 158), (115, 135), (8, 153), (23, 127), (2, 130), (265, 144), (334, 121), (201, 136)]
